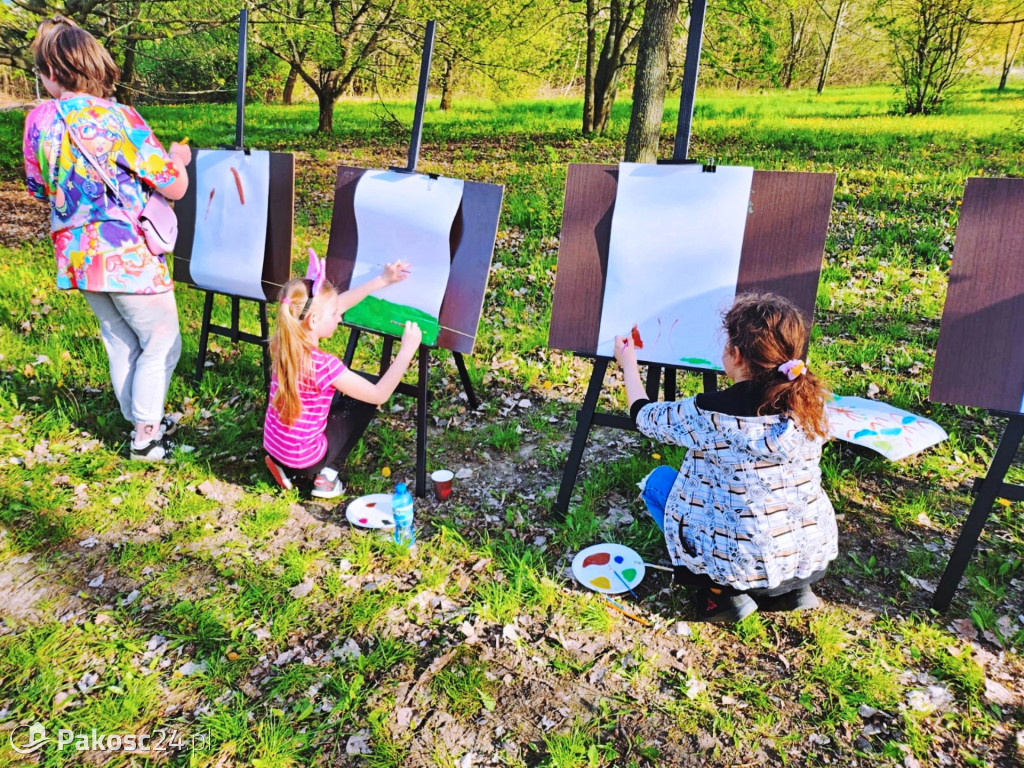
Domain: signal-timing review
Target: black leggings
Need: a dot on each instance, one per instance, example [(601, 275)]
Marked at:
[(346, 423)]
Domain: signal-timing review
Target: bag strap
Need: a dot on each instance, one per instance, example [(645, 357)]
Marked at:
[(95, 163)]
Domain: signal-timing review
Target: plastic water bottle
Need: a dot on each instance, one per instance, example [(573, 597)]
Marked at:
[(401, 510)]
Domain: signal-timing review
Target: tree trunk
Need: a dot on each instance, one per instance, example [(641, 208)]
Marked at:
[(651, 80), (588, 80), (796, 44), (446, 85), (325, 100), (289, 85), (832, 40), (606, 83), (123, 90), (1009, 55)]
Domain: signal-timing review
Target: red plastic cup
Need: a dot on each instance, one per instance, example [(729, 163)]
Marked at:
[(442, 480)]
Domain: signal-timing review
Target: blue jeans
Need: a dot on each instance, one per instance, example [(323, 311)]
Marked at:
[(656, 491)]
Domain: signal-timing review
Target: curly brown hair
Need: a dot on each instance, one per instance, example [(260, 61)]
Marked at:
[(768, 330), (72, 57)]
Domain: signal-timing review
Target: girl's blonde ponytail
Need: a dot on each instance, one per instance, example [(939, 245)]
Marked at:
[(290, 346)]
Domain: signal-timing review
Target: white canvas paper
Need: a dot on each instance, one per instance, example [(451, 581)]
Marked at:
[(232, 197), (891, 431), (673, 260), (406, 216)]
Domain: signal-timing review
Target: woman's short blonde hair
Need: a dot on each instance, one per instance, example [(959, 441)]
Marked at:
[(73, 58)]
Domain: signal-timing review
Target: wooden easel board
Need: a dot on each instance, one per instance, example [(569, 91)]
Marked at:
[(783, 243), (472, 245), (979, 360), (277, 261)]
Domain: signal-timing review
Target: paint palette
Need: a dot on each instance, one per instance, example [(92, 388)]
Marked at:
[(608, 568), (373, 511)]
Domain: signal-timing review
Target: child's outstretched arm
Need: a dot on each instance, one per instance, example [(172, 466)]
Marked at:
[(625, 354), (355, 386), (393, 273)]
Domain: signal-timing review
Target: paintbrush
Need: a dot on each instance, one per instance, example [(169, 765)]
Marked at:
[(612, 604), (443, 328), (623, 580), (656, 567)]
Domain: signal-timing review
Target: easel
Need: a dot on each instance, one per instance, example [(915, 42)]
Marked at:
[(279, 234), (472, 244), (587, 417), (782, 246), (979, 361)]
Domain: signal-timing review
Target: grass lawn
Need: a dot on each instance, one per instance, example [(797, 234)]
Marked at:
[(197, 599)]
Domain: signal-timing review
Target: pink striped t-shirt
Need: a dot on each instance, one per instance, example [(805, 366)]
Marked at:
[(303, 443)]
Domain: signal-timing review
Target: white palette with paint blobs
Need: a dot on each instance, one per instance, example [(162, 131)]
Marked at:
[(608, 568), (373, 511)]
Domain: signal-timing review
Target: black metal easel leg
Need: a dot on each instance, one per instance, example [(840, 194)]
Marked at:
[(584, 421), (234, 319), (421, 422), (350, 349), (653, 381), (980, 510), (265, 335), (467, 385), (204, 337), (670, 383)]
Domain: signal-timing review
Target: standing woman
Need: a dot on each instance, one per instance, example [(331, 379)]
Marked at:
[(71, 143)]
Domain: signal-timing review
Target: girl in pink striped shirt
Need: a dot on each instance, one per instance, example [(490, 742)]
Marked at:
[(318, 410)]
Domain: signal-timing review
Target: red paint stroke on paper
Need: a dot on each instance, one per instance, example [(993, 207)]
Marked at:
[(598, 558), (658, 337), (670, 330), (637, 341), (209, 203), (238, 183)]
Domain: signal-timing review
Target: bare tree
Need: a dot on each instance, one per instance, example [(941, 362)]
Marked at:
[(327, 42), (833, 39), (1013, 40), (928, 44), (604, 66)]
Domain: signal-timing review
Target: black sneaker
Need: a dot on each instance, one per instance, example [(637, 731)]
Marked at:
[(721, 606), (279, 473), (802, 599), (157, 449), (169, 424), (166, 428)]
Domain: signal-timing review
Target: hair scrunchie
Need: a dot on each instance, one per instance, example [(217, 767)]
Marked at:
[(793, 368)]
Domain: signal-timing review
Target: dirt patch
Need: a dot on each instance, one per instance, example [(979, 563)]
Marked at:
[(22, 219)]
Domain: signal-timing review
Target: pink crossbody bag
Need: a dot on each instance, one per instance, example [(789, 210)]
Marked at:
[(157, 222)]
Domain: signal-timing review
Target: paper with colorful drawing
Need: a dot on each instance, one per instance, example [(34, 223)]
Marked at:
[(232, 200), (674, 260), (891, 431), (405, 216)]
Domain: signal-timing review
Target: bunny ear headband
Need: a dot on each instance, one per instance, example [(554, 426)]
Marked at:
[(316, 273)]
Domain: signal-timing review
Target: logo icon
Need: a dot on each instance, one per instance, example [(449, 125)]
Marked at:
[(36, 738)]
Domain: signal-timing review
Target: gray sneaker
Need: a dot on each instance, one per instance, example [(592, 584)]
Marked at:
[(802, 599), (327, 489)]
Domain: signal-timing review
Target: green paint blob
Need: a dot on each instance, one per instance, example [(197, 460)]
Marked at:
[(629, 574), (696, 361), (388, 317)]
